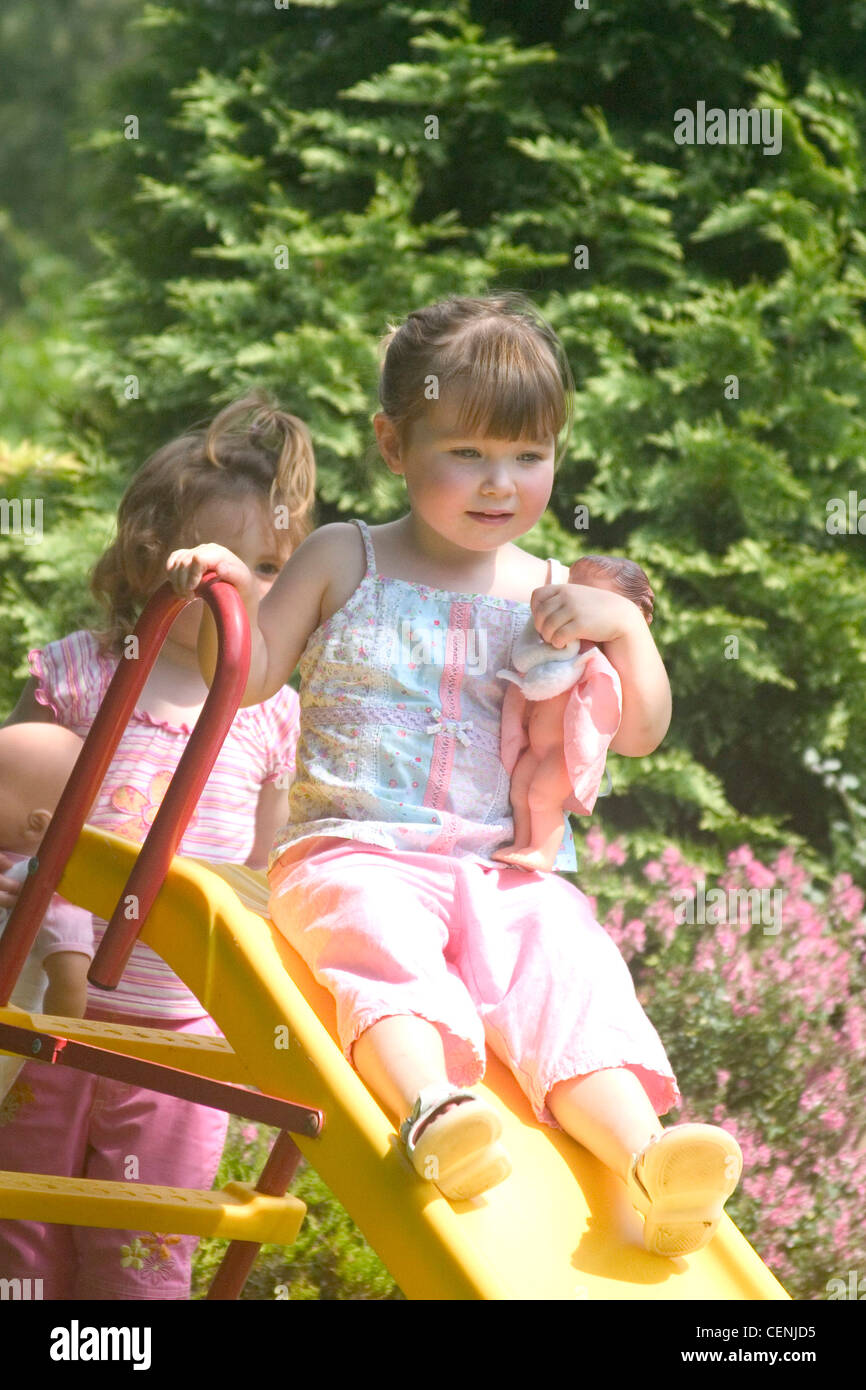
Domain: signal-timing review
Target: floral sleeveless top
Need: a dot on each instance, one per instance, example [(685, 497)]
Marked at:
[(399, 741)]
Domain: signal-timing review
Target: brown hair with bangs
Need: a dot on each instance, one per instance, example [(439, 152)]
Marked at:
[(504, 359), (251, 448)]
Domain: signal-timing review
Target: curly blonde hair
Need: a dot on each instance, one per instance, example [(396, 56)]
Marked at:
[(252, 447)]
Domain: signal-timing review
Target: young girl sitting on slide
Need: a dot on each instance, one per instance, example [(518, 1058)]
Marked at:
[(382, 879)]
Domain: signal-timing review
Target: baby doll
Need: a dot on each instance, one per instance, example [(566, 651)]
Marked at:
[(566, 703), (35, 763)]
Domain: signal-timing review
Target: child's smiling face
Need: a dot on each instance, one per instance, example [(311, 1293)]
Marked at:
[(453, 479)]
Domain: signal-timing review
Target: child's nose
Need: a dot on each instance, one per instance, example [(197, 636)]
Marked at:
[(497, 477)]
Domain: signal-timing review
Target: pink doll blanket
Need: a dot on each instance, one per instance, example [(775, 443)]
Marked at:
[(591, 719)]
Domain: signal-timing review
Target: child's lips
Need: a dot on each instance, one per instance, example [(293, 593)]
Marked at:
[(491, 516)]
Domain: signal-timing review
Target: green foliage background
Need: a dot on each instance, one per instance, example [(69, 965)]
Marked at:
[(290, 193), (307, 129)]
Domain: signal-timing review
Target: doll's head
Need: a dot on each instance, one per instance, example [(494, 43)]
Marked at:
[(252, 451), (35, 763), (617, 574), (496, 357)]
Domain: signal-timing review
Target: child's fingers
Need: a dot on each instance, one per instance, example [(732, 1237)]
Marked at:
[(551, 615), (540, 599), (185, 570), (558, 636), (9, 890)]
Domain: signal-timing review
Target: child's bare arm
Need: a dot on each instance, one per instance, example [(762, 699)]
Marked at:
[(272, 812), (66, 994), (646, 691), (281, 622)]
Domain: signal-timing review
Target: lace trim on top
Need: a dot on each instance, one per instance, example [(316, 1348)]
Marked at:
[(403, 718)]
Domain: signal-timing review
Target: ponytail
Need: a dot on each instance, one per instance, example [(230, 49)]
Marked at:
[(277, 432)]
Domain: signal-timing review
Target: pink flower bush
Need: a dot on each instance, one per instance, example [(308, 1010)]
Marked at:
[(755, 980)]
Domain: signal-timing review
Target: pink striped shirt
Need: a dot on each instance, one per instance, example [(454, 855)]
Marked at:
[(73, 676)]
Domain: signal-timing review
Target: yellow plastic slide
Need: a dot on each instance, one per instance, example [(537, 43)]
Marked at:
[(560, 1227)]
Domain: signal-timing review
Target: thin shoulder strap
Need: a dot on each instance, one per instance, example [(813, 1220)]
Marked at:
[(368, 545), (557, 573)]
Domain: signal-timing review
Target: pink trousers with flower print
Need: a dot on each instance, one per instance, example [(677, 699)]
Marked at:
[(76, 1124)]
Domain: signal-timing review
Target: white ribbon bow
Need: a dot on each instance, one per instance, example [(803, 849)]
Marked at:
[(456, 727)]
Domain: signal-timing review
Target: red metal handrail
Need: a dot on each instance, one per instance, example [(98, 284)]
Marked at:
[(156, 853)]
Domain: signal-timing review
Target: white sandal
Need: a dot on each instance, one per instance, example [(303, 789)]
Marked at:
[(460, 1151), (680, 1183)]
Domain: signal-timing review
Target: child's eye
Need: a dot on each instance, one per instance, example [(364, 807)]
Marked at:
[(268, 568), (530, 457)]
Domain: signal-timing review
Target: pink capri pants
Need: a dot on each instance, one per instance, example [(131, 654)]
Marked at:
[(481, 951)]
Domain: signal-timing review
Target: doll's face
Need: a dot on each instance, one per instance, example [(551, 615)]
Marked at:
[(23, 823), (35, 763)]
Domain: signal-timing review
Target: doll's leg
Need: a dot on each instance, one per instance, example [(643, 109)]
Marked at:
[(535, 846), (544, 797), (521, 780)]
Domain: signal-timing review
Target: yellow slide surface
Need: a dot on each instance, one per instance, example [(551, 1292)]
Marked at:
[(560, 1227)]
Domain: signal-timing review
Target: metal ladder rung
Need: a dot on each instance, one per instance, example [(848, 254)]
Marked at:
[(207, 1056)]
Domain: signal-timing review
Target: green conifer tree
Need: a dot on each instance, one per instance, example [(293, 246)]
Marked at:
[(297, 177)]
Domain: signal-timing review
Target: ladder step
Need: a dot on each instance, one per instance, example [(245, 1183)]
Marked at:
[(237, 1211), (195, 1052)]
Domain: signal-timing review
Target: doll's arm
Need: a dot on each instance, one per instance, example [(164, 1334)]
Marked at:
[(66, 994)]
